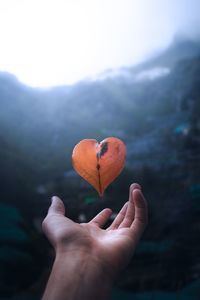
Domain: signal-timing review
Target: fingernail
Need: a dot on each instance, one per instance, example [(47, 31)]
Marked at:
[(136, 186)]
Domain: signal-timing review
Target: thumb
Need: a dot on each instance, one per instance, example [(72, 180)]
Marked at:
[(57, 206)]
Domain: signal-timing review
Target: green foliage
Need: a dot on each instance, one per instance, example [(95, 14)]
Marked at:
[(19, 257)]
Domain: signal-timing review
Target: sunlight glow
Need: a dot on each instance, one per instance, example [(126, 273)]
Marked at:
[(56, 42)]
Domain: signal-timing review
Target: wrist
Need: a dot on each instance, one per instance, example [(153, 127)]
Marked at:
[(89, 256), (85, 274), (86, 262)]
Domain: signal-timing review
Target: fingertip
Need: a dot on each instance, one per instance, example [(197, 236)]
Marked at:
[(101, 218), (108, 211), (126, 204), (53, 199), (135, 186), (134, 193), (57, 205), (138, 197)]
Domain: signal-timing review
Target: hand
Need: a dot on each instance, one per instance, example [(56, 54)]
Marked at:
[(112, 248)]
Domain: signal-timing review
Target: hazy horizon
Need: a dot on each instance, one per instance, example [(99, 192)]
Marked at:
[(50, 43)]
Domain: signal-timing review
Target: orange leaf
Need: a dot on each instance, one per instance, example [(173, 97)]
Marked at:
[(99, 163)]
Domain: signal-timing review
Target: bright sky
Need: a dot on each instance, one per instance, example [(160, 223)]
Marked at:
[(54, 42)]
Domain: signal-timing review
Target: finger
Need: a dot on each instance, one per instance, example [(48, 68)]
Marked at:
[(102, 217), (119, 218), (57, 206), (141, 214), (130, 212)]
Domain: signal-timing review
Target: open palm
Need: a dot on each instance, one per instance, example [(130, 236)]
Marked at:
[(112, 247)]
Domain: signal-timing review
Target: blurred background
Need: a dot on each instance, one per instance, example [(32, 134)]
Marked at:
[(71, 70)]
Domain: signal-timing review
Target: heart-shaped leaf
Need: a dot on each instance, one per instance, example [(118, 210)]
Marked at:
[(99, 163)]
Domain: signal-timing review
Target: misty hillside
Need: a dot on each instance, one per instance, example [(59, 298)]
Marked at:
[(44, 125), (155, 109)]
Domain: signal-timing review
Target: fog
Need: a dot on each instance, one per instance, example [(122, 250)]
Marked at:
[(57, 42)]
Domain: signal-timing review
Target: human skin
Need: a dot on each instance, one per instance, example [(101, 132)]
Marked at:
[(88, 258)]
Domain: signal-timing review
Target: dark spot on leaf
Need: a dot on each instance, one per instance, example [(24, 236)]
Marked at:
[(104, 149)]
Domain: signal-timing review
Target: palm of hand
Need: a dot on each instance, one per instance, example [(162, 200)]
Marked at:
[(113, 246)]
